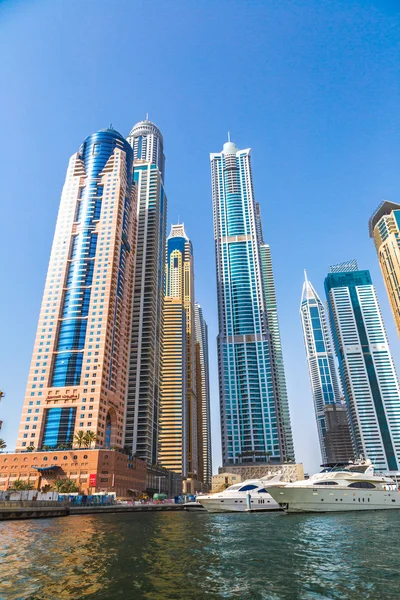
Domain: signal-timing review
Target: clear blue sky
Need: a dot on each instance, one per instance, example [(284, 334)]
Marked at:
[(312, 86)]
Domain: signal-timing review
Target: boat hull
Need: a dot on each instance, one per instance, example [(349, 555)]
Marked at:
[(224, 504), (309, 499)]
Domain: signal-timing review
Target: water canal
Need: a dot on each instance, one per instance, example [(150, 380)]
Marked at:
[(193, 556)]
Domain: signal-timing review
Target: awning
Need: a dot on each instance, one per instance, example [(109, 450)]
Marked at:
[(49, 468)]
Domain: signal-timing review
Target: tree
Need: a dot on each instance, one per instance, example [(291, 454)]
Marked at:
[(90, 437), (65, 486), (2, 394), (268, 454), (2, 444), (63, 447), (79, 438), (21, 485), (30, 448)]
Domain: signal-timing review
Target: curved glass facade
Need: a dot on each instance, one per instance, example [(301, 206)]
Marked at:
[(94, 153)]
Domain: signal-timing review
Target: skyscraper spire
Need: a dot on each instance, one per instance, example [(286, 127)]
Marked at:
[(323, 378)]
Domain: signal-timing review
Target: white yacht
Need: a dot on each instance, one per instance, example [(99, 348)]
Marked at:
[(250, 495), (340, 487)]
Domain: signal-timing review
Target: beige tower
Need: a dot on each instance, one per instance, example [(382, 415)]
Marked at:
[(179, 286), (79, 369), (174, 435), (384, 228)]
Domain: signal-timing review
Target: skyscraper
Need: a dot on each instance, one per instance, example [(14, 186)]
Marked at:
[(142, 416), (323, 378), (204, 393), (279, 378), (174, 419), (179, 284), (367, 370), (384, 228), (79, 367), (251, 408)]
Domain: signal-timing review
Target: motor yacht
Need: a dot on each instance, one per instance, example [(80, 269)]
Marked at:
[(338, 487), (250, 495)]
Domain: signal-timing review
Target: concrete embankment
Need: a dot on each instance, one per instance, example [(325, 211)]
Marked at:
[(28, 509), (124, 508)]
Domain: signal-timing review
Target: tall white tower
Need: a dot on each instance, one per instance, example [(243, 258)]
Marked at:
[(143, 404)]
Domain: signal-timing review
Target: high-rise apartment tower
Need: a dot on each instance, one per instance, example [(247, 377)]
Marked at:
[(252, 414), (142, 417), (179, 285), (384, 228), (368, 374), (79, 367), (204, 393), (323, 378)]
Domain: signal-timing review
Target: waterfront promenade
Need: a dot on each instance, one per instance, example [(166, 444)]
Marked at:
[(25, 509)]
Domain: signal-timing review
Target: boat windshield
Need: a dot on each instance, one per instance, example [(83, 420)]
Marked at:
[(233, 488)]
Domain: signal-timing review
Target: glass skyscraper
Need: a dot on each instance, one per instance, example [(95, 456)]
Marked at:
[(368, 374), (142, 416), (79, 367), (252, 415), (320, 360)]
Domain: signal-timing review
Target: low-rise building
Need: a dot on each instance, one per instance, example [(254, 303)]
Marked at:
[(92, 470), (289, 471), (223, 480)]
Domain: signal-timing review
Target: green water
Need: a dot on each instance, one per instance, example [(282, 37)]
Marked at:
[(198, 555)]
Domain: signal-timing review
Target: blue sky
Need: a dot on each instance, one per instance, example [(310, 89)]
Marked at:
[(311, 86)]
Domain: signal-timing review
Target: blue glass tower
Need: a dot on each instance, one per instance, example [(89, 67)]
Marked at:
[(251, 423), (320, 359), (366, 365)]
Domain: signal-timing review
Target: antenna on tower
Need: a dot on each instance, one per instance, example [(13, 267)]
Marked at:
[(147, 116), (178, 219), (229, 136), (305, 276)]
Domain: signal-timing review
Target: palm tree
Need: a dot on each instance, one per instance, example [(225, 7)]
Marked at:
[(65, 486), (79, 438), (268, 454), (21, 485), (2, 444), (2, 394), (90, 437)]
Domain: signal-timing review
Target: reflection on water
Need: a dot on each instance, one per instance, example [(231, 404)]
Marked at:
[(194, 556)]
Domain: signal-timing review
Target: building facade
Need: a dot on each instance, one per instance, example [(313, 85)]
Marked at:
[(91, 470), (251, 411), (384, 228), (203, 394), (143, 404), (338, 442), (367, 370), (174, 417), (279, 377), (179, 286), (78, 375), (324, 383)]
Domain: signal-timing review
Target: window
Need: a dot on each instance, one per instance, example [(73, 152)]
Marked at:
[(325, 483), (362, 484), (247, 488)]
